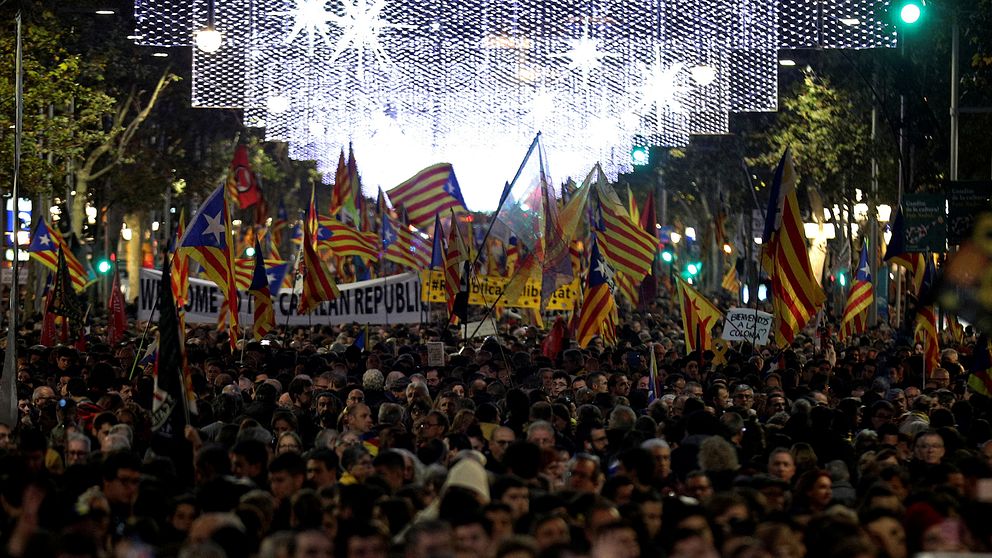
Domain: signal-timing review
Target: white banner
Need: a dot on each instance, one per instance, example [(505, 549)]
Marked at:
[(390, 300), (746, 324)]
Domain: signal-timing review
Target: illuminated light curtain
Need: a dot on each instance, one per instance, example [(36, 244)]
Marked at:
[(414, 82)]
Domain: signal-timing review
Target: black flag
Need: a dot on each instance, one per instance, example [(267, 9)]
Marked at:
[(168, 404)]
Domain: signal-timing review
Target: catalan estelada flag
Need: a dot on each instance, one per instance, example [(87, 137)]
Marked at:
[(428, 193), (699, 316), (318, 285), (265, 317), (403, 246), (595, 315), (44, 248), (859, 299), (796, 295), (346, 240), (208, 240)]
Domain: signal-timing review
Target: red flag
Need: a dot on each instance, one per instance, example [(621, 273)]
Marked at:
[(116, 318), (555, 341), (241, 182)]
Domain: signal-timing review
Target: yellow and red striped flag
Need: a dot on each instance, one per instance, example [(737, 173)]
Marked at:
[(208, 240), (44, 248), (925, 330), (635, 213), (796, 295), (318, 285), (699, 316), (403, 246), (346, 240), (596, 316), (347, 190), (428, 193), (179, 281), (859, 300), (629, 248)]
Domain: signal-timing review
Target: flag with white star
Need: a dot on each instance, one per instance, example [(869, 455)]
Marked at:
[(44, 249), (859, 299), (208, 241), (428, 193), (594, 315)]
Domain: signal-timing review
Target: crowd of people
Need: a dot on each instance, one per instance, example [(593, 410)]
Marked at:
[(306, 444)]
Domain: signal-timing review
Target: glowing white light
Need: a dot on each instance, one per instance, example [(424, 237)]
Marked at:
[(361, 24), (476, 77), (703, 74), (310, 16), (676, 237), (160, 54), (156, 225), (788, 62), (277, 104), (584, 55), (690, 233), (208, 40), (662, 91), (850, 21), (125, 233)]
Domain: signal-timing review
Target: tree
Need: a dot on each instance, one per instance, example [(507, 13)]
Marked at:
[(112, 147), (830, 138)]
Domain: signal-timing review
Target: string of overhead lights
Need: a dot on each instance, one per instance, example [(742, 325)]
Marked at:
[(469, 81)]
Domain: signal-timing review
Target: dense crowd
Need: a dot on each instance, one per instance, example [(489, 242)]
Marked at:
[(306, 444)]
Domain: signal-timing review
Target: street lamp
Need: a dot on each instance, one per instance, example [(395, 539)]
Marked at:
[(209, 39)]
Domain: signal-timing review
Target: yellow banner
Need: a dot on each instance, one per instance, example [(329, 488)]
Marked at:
[(485, 289)]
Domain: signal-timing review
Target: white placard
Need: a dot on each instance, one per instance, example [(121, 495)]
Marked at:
[(389, 300), (435, 353), (746, 324)]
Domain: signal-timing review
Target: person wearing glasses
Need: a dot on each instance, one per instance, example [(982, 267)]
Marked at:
[(744, 397), (431, 427), (121, 472)]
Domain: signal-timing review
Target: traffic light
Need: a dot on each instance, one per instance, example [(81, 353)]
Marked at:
[(103, 265), (693, 268), (640, 156), (250, 252), (842, 278), (667, 256), (908, 13)]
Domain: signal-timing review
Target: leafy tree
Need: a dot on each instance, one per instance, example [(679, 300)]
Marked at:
[(830, 137)]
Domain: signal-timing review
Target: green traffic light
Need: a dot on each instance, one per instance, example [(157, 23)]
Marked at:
[(103, 266), (639, 156), (693, 268), (910, 13), (842, 279), (250, 252), (667, 256)]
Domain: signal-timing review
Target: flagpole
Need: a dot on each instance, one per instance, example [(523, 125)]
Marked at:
[(141, 343), (8, 407), (506, 193)]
